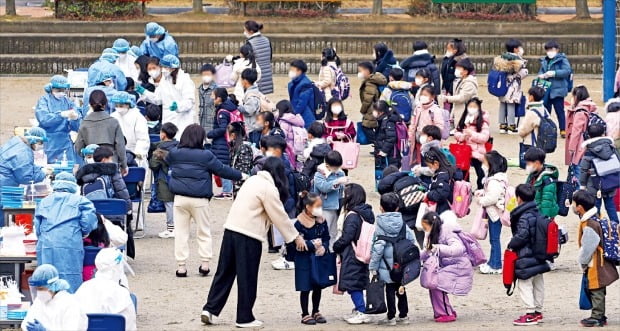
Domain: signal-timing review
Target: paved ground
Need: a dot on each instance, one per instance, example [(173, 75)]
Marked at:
[(169, 303)]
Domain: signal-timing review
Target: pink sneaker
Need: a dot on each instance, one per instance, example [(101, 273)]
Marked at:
[(539, 317), (445, 319), (527, 319)]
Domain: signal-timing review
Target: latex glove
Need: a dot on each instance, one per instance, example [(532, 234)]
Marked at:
[(139, 89), (35, 326), (244, 177), (382, 154), (73, 115), (229, 58), (320, 251), (65, 113), (550, 73), (300, 244), (174, 106)]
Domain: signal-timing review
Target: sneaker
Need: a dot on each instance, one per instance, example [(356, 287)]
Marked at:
[(283, 264), (527, 319), (563, 133), (255, 324), (485, 269), (539, 317), (387, 322), (359, 318), (502, 128), (512, 129), (403, 320), (452, 132), (551, 266), (353, 313), (591, 322), (223, 196), (166, 234), (445, 319), (207, 318)]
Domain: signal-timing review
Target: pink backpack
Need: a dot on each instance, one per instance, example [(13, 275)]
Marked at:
[(473, 248), (364, 243), (235, 116), (461, 198), (223, 71)]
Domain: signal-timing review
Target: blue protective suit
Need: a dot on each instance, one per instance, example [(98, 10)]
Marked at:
[(101, 66), (165, 46), (109, 92), (61, 220), (56, 127)]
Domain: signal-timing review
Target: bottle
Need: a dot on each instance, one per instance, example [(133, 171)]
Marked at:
[(4, 310), (65, 161)]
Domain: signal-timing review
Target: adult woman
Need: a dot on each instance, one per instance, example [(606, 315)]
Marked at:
[(337, 126), (143, 77), (104, 82), (262, 52), (175, 93), (246, 60), (577, 117), (259, 204), (384, 59), (133, 125), (455, 52), (330, 62), (191, 167), (101, 129), (154, 70)]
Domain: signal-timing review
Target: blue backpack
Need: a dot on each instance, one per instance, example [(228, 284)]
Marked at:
[(497, 82), (100, 189), (343, 86), (318, 103), (610, 240), (400, 100)]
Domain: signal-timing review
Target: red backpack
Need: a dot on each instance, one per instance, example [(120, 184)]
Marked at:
[(547, 236), (508, 273)]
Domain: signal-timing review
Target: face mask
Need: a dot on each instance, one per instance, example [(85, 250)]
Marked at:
[(520, 52), (574, 209), (485, 169), (530, 169), (111, 85), (292, 74), (425, 99), (360, 75), (336, 110), (44, 295), (122, 56), (152, 124), (268, 153), (154, 73), (419, 81), (449, 54), (259, 126), (472, 111), (122, 110), (551, 54), (207, 79), (423, 139), (166, 72), (89, 160), (246, 34), (375, 114), (154, 39), (458, 73), (59, 95), (317, 212)]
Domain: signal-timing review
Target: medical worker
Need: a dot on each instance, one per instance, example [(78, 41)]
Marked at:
[(104, 293), (53, 308), (58, 116), (88, 152), (158, 42), (106, 64), (175, 93), (133, 125), (105, 83), (135, 51), (125, 59), (61, 220)]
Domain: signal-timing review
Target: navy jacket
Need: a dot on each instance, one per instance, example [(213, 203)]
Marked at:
[(191, 170), (440, 191), (301, 94), (385, 64), (219, 145), (417, 62), (524, 225)]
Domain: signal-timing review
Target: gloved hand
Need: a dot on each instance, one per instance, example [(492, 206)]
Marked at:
[(65, 113), (35, 326), (174, 106), (73, 115), (140, 89)]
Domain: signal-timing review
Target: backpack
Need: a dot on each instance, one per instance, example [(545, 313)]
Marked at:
[(472, 248), (593, 118), (497, 82), (607, 173), (343, 86), (570, 82), (400, 100), (510, 203), (402, 139), (508, 271), (411, 195), (302, 182), (319, 103), (266, 105), (235, 116), (404, 253), (446, 152), (445, 132), (300, 138), (547, 139), (223, 72), (461, 198), (611, 245), (99, 189), (363, 247), (547, 237)]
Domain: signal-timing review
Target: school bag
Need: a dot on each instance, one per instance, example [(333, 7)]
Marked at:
[(302, 182), (472, 247), (497, 82), (593, 118), (405, 254), (300, 138), (235, 116), (547, 139), (445, 132), (610, 242), (266, 105), (400, 100), (461, 198), (363, 247), (223, 73), (547, 238), (510, 203), (343, 86), (508, 272), (607, 173), (318, 103), (411, 195), (99, 189), (402, 139)]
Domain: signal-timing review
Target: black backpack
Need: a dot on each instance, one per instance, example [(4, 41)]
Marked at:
[(547, 138), (406, 256), (99, 189), (318, 103), (593, 118), (302, 182)]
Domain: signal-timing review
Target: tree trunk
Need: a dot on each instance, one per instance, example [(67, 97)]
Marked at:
[(197, 6), (377, 7), (581, 7), (10, 8)]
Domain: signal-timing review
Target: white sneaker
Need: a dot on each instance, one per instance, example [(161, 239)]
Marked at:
[(387, 322), (551, 266), (166, 234), (282, 264), (403, 320), (487, 270), (359, 318), (207, 318), (255, 324), (353, 313)]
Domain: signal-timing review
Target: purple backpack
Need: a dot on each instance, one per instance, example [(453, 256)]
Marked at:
[(473, 249)]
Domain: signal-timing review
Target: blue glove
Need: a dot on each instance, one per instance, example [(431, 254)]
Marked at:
[(140, 89), (36, 326), (174, 106)]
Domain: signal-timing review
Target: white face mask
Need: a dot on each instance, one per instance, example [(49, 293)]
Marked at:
[(59, 95), (375, 114), (317, 212), (424, 99), (360, 75), (111, 85), (154, 73), (247, 34), (423, 139), (472, 111), (449, 54), (485, 169), (530, 169), (336, 110), (122, 56), (207, 79), (89, 160), (153, 39), (166, 72), (419, 81), (44, 295), (292, 74), (551, 54), (122, 110), (268, 153), (458, 73), (520, 52)]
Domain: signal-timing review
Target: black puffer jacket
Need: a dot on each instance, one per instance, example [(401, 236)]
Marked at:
[(418, 62), (317, 156), (219, 145), (447, 71), (353, 273), (191, 170), (440, 191), (524, 221), (596, 148), (386, 139), (90, 172)]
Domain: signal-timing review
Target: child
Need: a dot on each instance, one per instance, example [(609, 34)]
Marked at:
[(577, 118), (353, 276), (440, 189), (613, 121), (427, 112), (455, 275), (543, 177), (473, 129), (289, 122), (153, 118), (524, 222), (300, 92), (601, 148), (225, 105), (330, 66), (329, 181), (337, 126), (423, 79), (160, 173), (386, 139), (263, 124), (531, 121), (492, 199), (390, 224), (600, 272), (241, 152), (317, 149), (465, 88), (252, 97), (556, 69), (313, 228), (206, 107), (369, 94), (515, 68), (398, 94)]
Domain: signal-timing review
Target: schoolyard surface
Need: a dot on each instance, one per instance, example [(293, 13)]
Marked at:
[(169, 303)]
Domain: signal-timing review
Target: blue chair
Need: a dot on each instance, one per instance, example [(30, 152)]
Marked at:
[(106, 322), (155, 138), (112, 207), (90, 253), (135, 184)]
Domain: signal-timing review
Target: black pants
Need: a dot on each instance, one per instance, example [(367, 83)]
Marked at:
[(391, 293), (239, 258), (479, 173), (370, 134), (316, 301)]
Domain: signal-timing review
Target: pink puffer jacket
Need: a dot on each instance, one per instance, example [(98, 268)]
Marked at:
[(476, 139), (576, 125)]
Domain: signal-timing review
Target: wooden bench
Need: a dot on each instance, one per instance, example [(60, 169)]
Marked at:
[(245, 2)]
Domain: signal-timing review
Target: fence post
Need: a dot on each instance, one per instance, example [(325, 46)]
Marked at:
[(609, 48)]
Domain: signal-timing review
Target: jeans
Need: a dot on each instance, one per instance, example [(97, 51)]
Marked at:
[(610, 207), (507, 113), (358, 300), (479, 172), (169, 214), (391, 293), (495, 231), (558, 105), (227, 185)]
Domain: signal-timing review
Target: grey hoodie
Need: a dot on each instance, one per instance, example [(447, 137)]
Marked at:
[(601, 148), (387, 224)]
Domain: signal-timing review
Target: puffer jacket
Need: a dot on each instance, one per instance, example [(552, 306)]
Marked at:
[(90, 172), (464, 89), (447, 71), (317, 156), (422, 59), (160, 169), (440, 191), (545, 185), (325, 185), (263, 51), (494, 193), (596, 148), (384, 65), (559, 82), (456, 274), (516, 68), (327, 79), (301, 94), (600, 272), (287, 122), (577, 118), (353, 273), (396, 182), (423, 115), (523, 224), (382, 254), (219, 145), (369, 93), (385, 136), (477, 139)]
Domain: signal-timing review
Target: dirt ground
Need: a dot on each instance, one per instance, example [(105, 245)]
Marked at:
[(169, 303)]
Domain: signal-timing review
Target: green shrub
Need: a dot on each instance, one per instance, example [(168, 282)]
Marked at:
[(419, 7), (287, 9), (99, 9)]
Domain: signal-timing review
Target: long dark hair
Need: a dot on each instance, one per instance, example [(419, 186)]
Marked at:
[(380, 50), (284, 107), (252, 26), (434, 154), (142, 61), (329, 55), (306, 199), (275, 167), (248, 54), (580, 93), (432, 218), (98, 100), (459, 45), (354, 195), (329, 116), (497, 163), (193, 137), (239, 130), (268, 118), (174, 73), (99, 236), (479, 119)]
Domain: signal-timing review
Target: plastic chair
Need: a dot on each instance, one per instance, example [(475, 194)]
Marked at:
[(105, 322), (155, 138), (112, 207), (135, 184), (90, 253), (134, 299)]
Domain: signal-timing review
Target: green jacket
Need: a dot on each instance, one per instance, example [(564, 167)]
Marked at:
[(546, 188), (160, 167)]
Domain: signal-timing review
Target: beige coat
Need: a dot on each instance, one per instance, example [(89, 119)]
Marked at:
[(531, 121), (516, 70), (327, 79), (257, 207), (238, 67), (464, 90)]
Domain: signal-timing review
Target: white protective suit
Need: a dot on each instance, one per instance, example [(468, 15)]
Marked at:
[(135, 130), (126, 63), (63, 312)]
